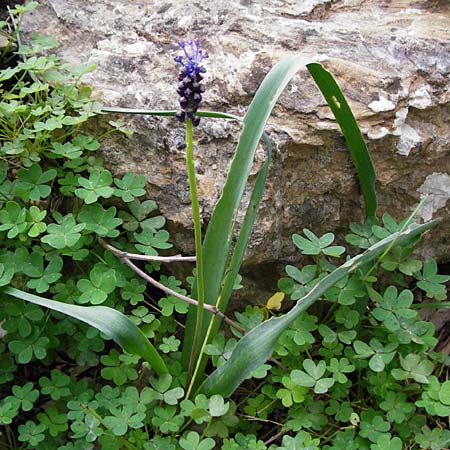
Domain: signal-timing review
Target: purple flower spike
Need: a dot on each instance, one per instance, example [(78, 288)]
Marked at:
[(189, 87)]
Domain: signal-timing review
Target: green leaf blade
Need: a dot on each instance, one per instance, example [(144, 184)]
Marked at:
[(358, 148)]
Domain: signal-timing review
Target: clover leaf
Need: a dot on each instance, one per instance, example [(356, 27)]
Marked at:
[(99, 220), (32, 345), (192, 441), (97, 185), (149, 241), (31, 432), (123, 418), (313, 376), (167, 419), (35, 219), (25, 396), (66, 233), (115, 369), (57, 386), (137, 216), (197, 409), (379, 354), (31, 183), (41, 277), (313, 245), (394, 307), (414, 366), (54, 421), (130, 186), (435, 439), (13, 218), (431, 282), (95, 290), (20, 316)]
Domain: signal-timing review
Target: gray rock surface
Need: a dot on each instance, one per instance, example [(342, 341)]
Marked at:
[(391, 58)]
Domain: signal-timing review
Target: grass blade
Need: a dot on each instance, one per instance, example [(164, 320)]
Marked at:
[(356, 144), (109, 321), (257, 346), (217, 242)]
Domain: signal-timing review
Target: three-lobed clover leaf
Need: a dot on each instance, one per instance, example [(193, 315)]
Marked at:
[(97, 185), (387, 442), (313, 376), (42, 277), (431, 282), (57, 386), (302, 440), (394, 307), (130, 186), (35, 219), (166, 419), (361, 235), (33, 345), (66, 233), (123, 418), (399, 258), (88, 428), (313, 245), (99, 220), (137, 217), (435, 439), (149, 241), (20, 316), (197, 409), (13, 218), (133, 291), (192, 441), (292, 392), (375, 428), (339, 367), (54, 420), (170, 303), (31, 432), (430, 398), (32, 183), (25, 396), (95, 290), (115, 369), (379, 354), (67, 150), (414, 366), (169, 344), (396, 406), (8, 411)]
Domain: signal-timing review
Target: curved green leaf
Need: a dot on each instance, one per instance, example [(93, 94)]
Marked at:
[(257, 346), (218, 237), (358, 148), (109, 321)]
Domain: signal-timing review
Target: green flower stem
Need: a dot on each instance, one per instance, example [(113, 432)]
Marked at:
[(198, 243)]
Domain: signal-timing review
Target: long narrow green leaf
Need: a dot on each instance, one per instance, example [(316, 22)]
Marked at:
[(216, 246), (356, 144), (109, 321), (167, 113), (257, 346)]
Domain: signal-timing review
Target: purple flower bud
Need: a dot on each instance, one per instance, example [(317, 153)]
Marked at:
[(189, 77)]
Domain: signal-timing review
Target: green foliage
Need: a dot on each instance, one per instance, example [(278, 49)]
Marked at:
[(356, 371)]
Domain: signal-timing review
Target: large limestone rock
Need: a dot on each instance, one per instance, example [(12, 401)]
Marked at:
[(392, 59)]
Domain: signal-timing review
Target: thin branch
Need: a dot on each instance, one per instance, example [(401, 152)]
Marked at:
[(275, 437), (211, 308), (167, 259)]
